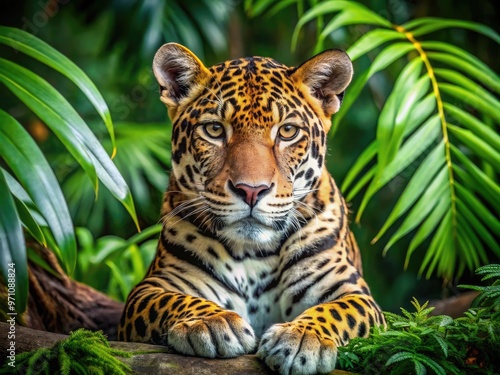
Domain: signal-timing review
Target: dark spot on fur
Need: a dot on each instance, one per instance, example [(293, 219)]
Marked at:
[(140, 326), (335, 315), (190, 238), (362, 329), (153, 314), (351, 322)]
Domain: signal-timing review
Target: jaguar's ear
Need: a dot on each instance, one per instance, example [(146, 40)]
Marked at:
[(327, 75), (178, 72)]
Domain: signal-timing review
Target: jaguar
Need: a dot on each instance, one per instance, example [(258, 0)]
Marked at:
[(255, 254)]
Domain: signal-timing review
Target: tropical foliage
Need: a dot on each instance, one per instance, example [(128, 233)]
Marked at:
[(198, 24), (32, 198), (113, 264), (143, 158), (440, 119), (416, 343)]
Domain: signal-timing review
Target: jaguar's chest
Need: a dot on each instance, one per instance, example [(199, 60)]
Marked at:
[(256, 290)]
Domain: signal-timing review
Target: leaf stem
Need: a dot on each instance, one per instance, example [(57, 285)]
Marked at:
[(442, 117)]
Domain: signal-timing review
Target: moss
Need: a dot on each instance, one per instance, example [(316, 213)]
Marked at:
[(83, 352)]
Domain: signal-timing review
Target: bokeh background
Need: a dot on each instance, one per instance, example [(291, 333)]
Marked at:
[(114, 41)]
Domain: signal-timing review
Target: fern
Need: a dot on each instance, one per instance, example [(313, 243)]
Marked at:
[(489, 295), (416, 343), (83, 352)]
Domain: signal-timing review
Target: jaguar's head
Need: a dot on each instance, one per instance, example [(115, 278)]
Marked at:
[(249, 137)]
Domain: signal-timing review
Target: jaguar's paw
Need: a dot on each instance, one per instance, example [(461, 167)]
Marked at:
[(296, 348), (224, 335)]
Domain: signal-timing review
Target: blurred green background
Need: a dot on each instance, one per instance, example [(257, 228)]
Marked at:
[(114, 41)]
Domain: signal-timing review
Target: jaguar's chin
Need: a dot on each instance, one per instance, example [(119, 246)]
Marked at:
[(251, 232)]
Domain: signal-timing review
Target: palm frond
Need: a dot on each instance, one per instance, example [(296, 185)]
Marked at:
[(440, 118)]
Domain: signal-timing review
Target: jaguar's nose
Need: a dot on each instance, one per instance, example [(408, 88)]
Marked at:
[(250, 194)]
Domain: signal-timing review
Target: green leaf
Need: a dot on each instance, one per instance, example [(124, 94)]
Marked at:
[(119, 278), (30, 217), (477, 127), (466, 248), (438, 370), (35, 258), (471, 69), (416, 187), (366, 156), (29, 222), (388, 55), (27, 162), (27, 43), (386, 120), (353, 92), (371, 40), (280, 5), (489, 107), (16, 189), (421, 111), (442, 343), (440, 240), (145, 234), (434, 24), (69, 127), (428, 226), (412, 148), (435, 191), (360, 184), (478, 227), (472, 185), (256, 8), (347, 17), (404, 112), (476, 243), (14, 264), (50, 108), (467, 84), (419, 368), (464, 59), (478, 208), (383, 59), (482, 178), (115, 245), (477, 145), (398, 357), (335, 6)]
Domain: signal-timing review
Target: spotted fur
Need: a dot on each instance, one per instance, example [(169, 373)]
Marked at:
[(255, 241)]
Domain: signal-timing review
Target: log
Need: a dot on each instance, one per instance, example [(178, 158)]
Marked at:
[(152, 359), (56, 303), (453, 306)]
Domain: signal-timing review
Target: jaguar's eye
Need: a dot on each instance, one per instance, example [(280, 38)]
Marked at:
[(288, 132), (214, 130)]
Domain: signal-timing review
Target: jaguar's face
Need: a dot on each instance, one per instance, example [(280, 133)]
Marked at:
[(249, 138)]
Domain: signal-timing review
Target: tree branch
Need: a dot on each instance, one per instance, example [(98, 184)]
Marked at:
[(146, 359)]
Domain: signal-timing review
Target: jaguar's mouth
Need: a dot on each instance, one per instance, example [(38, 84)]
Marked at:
[(250, 223), (250, 231)]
